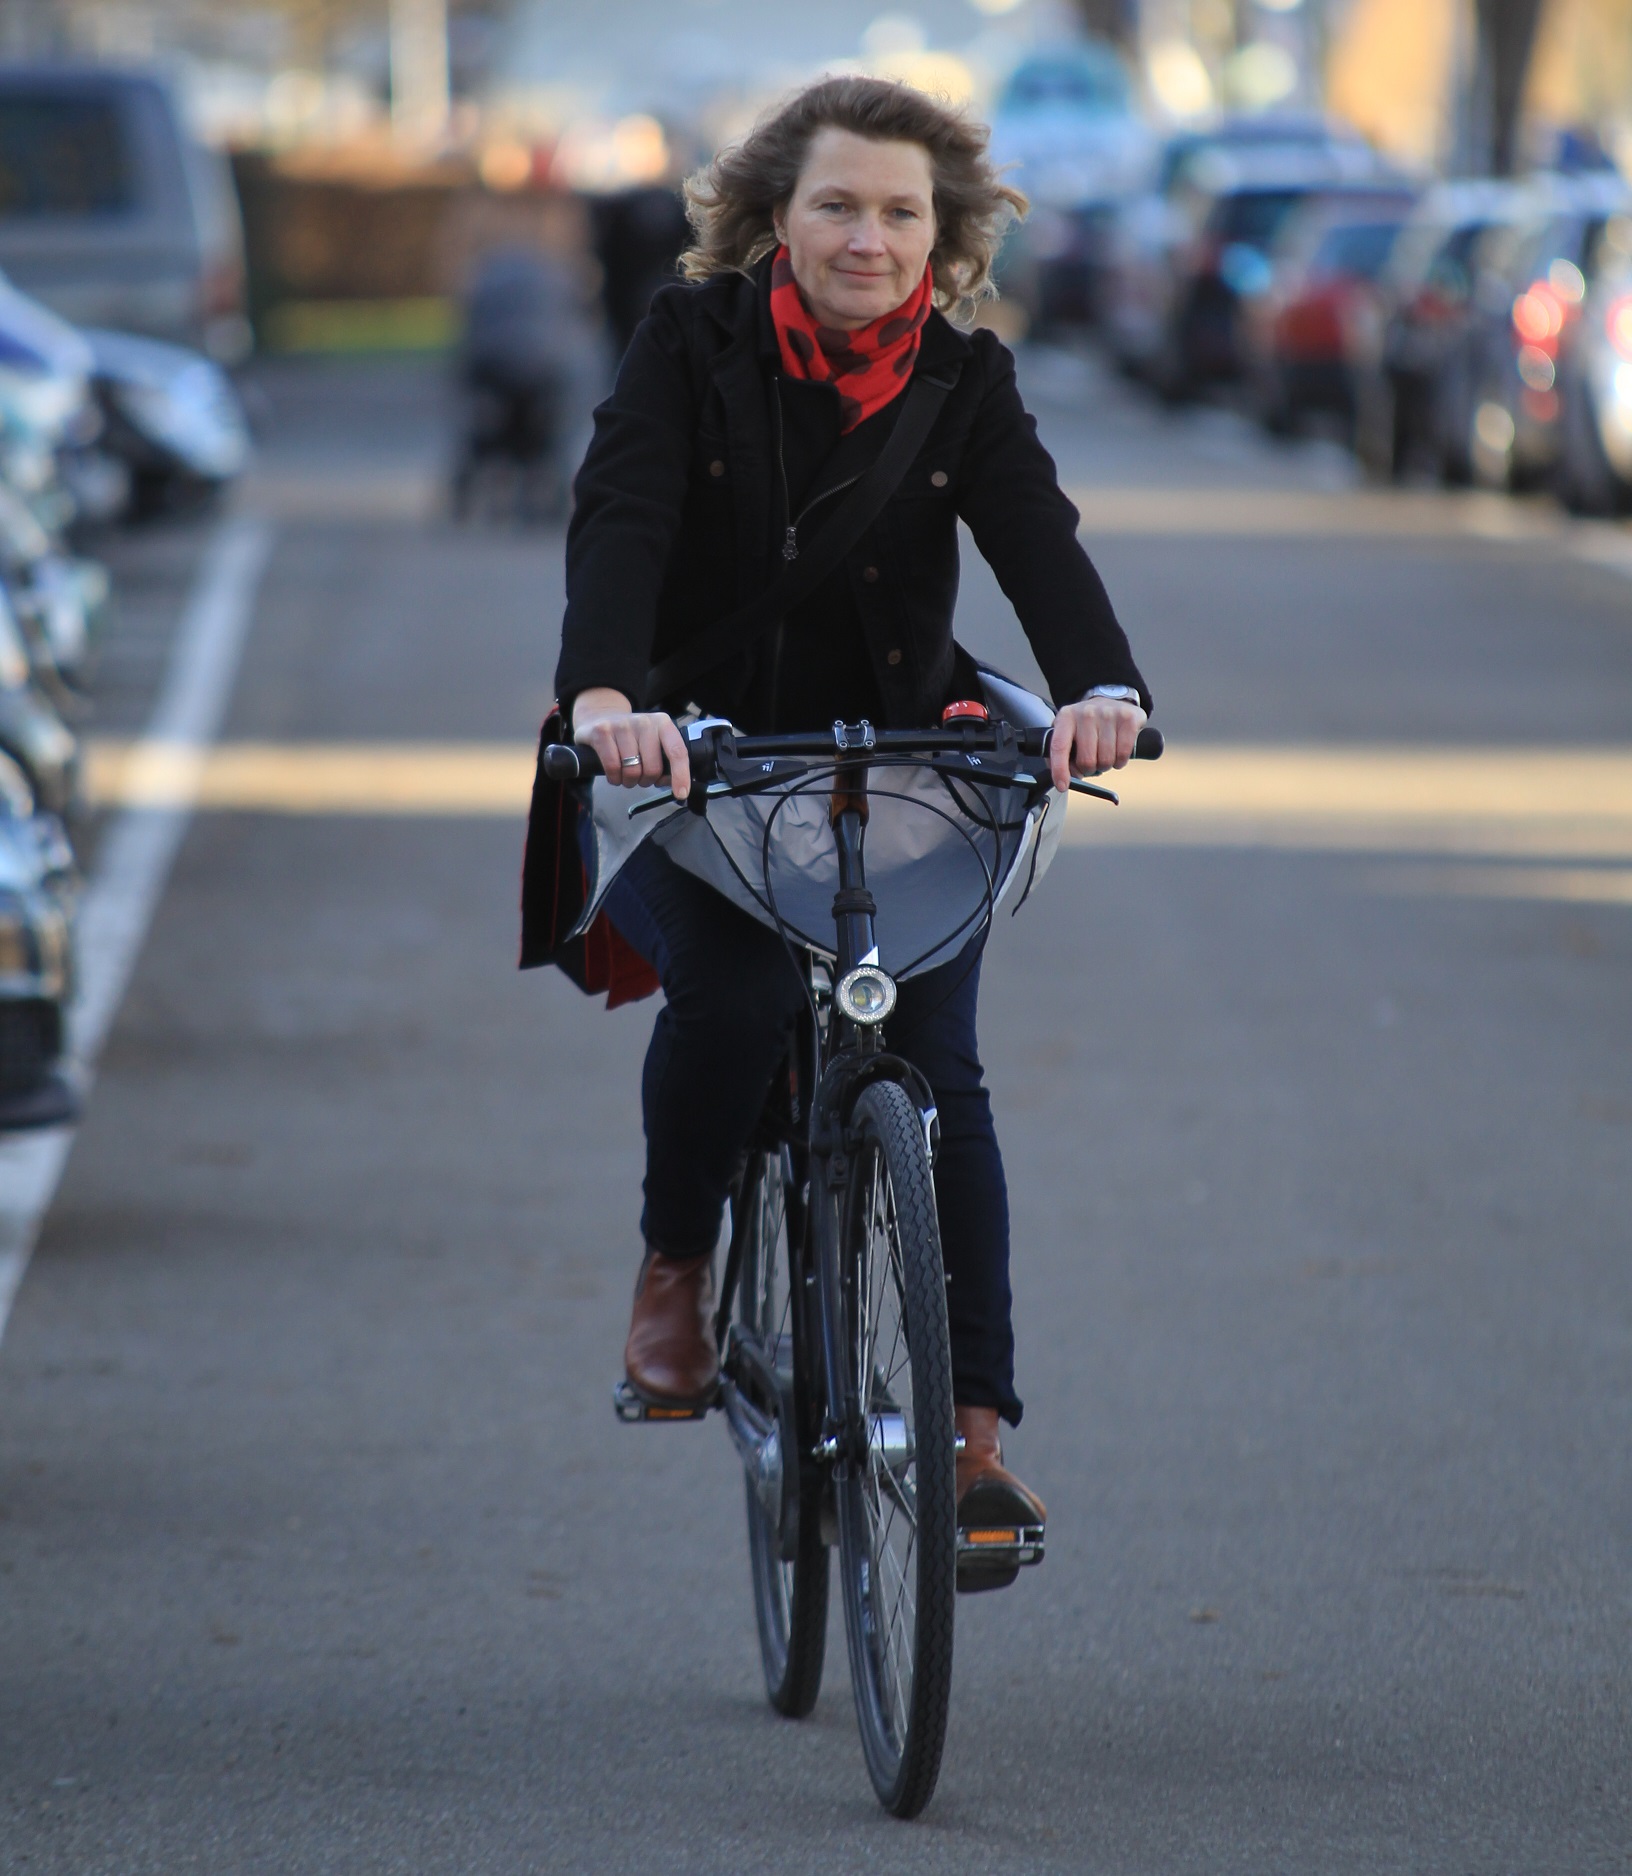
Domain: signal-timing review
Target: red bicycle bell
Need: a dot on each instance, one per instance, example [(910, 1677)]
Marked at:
[(966, 711)]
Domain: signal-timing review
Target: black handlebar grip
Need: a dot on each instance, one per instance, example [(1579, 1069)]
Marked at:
[(1149, 745), (571, 762)]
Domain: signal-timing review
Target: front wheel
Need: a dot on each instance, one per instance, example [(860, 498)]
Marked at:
[(897, 1492)]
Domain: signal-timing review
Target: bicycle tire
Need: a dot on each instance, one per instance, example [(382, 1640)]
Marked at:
[(897, 1498), (790, 1592)]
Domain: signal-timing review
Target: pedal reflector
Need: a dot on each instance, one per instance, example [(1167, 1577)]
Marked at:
[(632, 1410), (1001, 1545)]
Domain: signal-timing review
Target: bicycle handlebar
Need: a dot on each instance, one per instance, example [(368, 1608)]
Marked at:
[(577, 762)]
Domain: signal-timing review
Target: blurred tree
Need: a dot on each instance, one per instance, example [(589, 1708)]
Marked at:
[(1581, 70), (310, 26), (1115, 20), (1506, 36), (313, 25)]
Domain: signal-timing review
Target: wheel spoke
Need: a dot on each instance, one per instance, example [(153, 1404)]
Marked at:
[(898, 1553), (884, 1376)]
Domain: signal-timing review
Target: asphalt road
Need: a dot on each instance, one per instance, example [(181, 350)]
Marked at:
[(320, 1549)]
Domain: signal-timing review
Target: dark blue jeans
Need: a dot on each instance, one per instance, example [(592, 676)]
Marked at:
[(730, 992)]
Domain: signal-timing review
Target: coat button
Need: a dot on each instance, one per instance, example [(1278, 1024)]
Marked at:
[(716, 468), (869, 574), (938, 480), (894, 658)]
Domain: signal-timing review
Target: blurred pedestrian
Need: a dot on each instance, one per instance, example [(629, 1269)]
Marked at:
[(526, 339), (638, 235)]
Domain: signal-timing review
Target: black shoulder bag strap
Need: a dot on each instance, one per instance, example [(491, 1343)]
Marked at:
[(800, 578)]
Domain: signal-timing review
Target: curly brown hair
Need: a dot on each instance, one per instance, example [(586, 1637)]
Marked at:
[(733, 201)]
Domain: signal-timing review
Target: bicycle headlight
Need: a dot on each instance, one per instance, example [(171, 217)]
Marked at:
[(866, 995)]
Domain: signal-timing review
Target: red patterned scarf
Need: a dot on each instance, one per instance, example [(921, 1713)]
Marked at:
[(869, 366)]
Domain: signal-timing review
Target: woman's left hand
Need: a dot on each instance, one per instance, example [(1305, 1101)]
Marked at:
[(1098, 733)]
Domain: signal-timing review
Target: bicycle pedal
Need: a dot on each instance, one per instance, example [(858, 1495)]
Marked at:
[(632, 1410), (997, 1550)]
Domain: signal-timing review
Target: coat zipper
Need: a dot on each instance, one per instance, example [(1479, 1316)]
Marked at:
[(790, 547), (790, 542), (790, 531)]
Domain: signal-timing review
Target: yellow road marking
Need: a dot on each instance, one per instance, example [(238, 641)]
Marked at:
[(1578, 885), (1501, 802), (1488, 802), (1424, 514), (316, 778)]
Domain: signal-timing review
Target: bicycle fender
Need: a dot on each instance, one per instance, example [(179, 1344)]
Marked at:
[(843, 1086)]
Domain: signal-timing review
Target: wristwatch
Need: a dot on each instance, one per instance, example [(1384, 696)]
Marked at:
[(1115, 693)]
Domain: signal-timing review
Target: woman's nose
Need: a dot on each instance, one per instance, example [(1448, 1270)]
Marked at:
[(867, 237)]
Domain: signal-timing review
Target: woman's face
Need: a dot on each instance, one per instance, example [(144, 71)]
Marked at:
[(860, 226)]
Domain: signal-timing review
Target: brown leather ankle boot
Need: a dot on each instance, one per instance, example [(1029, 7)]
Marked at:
[(670, 1356), (996, 1513)]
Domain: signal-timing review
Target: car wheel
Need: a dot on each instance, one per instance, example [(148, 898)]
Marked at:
[(1487, 455), (1585, 479), (1378, 439), (1272, 403)]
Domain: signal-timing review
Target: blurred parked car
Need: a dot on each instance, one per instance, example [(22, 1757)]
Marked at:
[(112, 213), (1152, 222), (1299, 334), (38, 885), (32, 733), (59, 602), (1423, 307), (47, 419), (1595, 382), (1236, 207), (172, 423), (1068, 130), (46, 406), (1499, 402)]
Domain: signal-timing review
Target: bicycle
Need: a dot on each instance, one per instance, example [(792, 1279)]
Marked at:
[(835, 1369)]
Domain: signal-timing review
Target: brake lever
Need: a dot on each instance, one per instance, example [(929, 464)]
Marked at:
[(956, 770), (1100, 794)]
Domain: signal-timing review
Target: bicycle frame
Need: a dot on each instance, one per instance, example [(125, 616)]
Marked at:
[(830, 1061), (838, 1393)]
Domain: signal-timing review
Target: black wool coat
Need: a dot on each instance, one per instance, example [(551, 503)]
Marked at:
[(680, 512)]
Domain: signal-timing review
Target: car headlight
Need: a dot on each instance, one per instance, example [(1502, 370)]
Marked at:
[(47, 402), (866, 995), (55, 952), (16, 953), (194, 416), (16, 790), (14, 665)]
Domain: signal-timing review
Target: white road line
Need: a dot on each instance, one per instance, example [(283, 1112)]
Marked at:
[(133, 863), (1604, 545)]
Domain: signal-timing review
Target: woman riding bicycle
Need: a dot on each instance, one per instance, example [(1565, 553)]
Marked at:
[(830, 245)]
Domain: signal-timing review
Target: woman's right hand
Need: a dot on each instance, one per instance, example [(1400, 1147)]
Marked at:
[(635, 746)]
